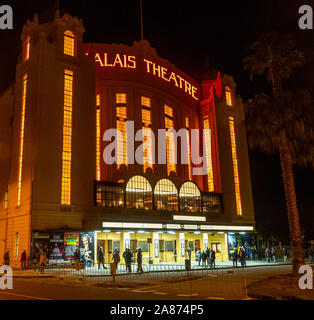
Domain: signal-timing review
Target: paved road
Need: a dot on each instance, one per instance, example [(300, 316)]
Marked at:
[(216, 286)]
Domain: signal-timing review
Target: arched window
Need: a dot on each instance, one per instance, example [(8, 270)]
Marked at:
[(27, 45), (166, 195), (139, 193), (69, 43), (228, 97), (190, 197)]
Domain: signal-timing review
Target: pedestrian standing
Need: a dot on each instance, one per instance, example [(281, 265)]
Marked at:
[(101, 257), (242, 254), (189, 253), (128, 259), (199, 257), (235, 258), (273, 254), (285, 255), (208, 256), (203, 258), (116, 258), (267, 254), (212, 258), (139, 260), (42, 262), (23, 260)]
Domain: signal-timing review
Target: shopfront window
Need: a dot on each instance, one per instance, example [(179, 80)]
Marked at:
[(190, 197), (109, 195), (211, 203), (166, 195), (139, 193)]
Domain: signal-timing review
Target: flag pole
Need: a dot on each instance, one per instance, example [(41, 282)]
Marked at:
[(141, 6)]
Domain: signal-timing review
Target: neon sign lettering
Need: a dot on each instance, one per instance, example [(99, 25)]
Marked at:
[(123, 61), (126, 61)]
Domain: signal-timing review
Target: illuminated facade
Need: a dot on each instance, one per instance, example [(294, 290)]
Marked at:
[(54, 183)]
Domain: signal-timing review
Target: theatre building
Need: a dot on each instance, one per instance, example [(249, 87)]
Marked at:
[(59, 190)]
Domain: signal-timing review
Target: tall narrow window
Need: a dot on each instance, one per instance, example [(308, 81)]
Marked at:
[(98, 137), (20, 161), (235, 166), (69, 43), (121, 114), (228, 97), (171, 166), (147, 136), (208, 152), (27, 45), (67, 138), (187, 126)]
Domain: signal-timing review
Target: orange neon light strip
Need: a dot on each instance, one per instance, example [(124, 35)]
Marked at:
[(67, 138), (188, 146), (210, 175), (121, 114), (147, 138), (20, 161), (98, 137), (27, 49), (235, 166), (171, 166)]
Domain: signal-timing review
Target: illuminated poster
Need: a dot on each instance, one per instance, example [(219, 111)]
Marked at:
[(71, 243), (56, 249), (87, 247), (232, 243)]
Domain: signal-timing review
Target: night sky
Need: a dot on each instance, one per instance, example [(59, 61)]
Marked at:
[(187, 33)]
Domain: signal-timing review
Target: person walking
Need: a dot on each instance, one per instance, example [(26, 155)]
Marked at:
[(101, 257), (203, 258), (116, 258), (189, 253), (273, 254), (253, 252), (42, 262), (235, 258), (23, 260), (242, 254), (199, 257), (139, 260), (128, 259), (212, 258), (285, 255), (208, 256), (267, 254)]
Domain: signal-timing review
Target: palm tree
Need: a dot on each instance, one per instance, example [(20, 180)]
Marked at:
[(285, 124), (280, 122)]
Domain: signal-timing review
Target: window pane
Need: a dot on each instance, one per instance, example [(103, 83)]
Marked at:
[(190, 197), (139, 193), (166, 195)]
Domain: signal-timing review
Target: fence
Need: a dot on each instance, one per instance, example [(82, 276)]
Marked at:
[(214, 282)]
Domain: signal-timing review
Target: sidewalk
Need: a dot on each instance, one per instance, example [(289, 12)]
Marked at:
[(282, 287)]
